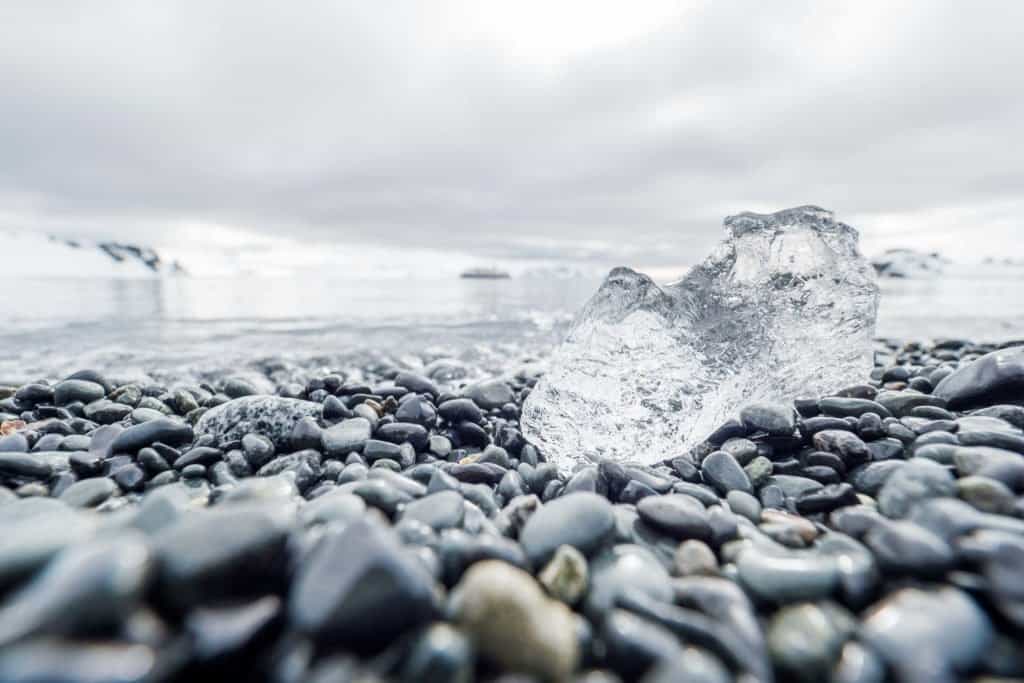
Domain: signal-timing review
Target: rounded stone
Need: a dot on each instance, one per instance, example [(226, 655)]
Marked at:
[(71, 390), (928, 634), (787, 579), (441, 510), (359, 577), (442, 654), (722, 472), (458, 410), (805, 639), (986, 494), (906, 548), (679, 515), (165, 430), (89, 493), (490, 394), (24, 465), (744, 504), (272, 416), (582, 520), (513, 623), (996, 377), (695, 557), (917, 480), (775, 419), (565, 577)]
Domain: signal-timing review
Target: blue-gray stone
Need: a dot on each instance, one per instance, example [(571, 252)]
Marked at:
[(272, 416)]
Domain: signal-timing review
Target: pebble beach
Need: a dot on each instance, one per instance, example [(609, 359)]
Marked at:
[(374, 522), (531, 342)]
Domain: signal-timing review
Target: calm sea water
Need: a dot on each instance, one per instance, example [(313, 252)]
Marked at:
[(53, 326)]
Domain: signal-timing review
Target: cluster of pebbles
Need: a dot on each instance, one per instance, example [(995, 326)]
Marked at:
[(384, 525)]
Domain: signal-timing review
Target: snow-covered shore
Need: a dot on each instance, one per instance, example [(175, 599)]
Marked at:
[(34, 255)]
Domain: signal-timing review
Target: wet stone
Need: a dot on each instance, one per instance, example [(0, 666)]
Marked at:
[(441, 510), (825, 459), (905, 548), (1000, 555), (71, 661), (744, 504), (234, 552), (678, 515), (694, 557), (788, 578), (916, 480), (847, 445), (513, 623), (928, 633), (375, 449), (225, 635), (164, 430), (272, 416), (89, 493), (107, 412), (441, 654), (24, 465), (380, 494), (903, 403), (637, 647), (129, 478), (758, 471), (14, 443), (722, 472), (80, 390), (565, 577), (305, 434), (356, 577), (404, 432), (869, 479), (986, 494), (838, 406), (826, 499), (995, 378), (794, 486), (490, 394), (201, 455), (416, 383), (806, 639), (773, 419), (88, 585), (458, 410), (744, 450), (35, 530), (582, 520)]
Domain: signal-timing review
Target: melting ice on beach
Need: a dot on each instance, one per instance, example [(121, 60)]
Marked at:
[(785, 306)]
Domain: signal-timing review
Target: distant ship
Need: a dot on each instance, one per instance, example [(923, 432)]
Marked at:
[(485, 274)]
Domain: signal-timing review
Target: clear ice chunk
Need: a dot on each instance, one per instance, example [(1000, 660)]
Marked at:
[(784, 307)]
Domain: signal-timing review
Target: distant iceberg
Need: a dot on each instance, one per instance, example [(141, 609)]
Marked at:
[(909, 263), (33, 255)]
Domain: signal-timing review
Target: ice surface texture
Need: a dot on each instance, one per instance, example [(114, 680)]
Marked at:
[(784, 307)]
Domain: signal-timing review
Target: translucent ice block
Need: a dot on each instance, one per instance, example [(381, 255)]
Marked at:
[(784, 307)]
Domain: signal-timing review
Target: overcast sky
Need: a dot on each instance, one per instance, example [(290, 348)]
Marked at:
[(617, 131)]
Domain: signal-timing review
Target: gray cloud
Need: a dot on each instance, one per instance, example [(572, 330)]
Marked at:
[(521, 133)]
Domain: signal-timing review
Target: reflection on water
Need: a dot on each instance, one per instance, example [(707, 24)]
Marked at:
[(53, 325), (225, 322), (981, 304), (338, 300)]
